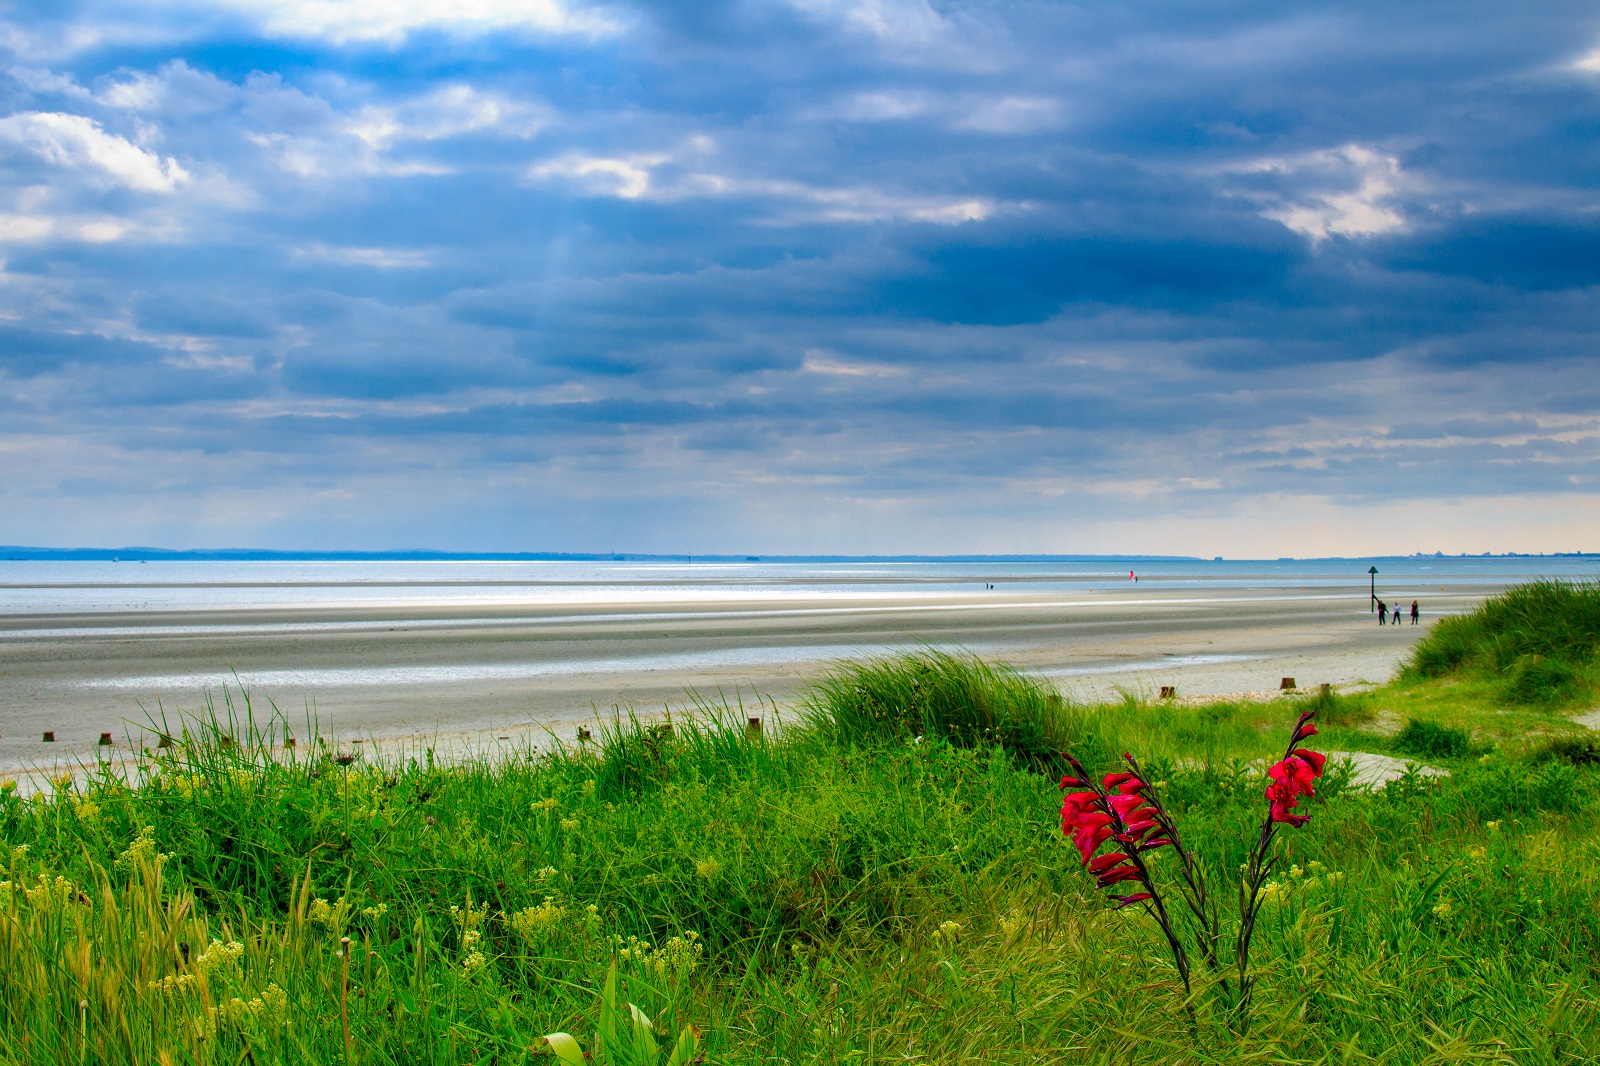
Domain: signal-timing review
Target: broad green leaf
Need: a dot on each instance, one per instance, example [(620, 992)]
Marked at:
[(566, 1049), (688, 1045), (644, 1042)]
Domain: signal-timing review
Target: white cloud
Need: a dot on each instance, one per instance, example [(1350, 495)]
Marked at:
[(38, 80), (1011, 114), (78, 143), (818, 361), (628, 178), (965, 111), (1351, 191), (176, 89), (447, 112), (391, 21), (865, 204), (886, 106), (24, 227), (382, 258), (659, 178), (901, 22)]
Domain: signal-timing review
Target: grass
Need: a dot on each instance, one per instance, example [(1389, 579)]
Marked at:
[(1537, 642), (886, 881)]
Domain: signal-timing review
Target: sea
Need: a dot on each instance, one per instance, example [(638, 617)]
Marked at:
[(134, 588)]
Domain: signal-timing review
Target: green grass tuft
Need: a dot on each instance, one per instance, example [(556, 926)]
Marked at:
[(959, 699), (1539, 641), (1430, 740)]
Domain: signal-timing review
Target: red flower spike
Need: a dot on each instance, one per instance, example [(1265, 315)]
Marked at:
[(1113, 780), (1315, 758), (1151, 845), (1073, 782), (1128, 901), (1126, 806), (1128, 788), (1100, 864), (1117, 876), (1088, 845)]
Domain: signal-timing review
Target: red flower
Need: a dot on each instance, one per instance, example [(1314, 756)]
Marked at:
[(1117, 876), (1100, 864), (1126, 806), (1292, 778)]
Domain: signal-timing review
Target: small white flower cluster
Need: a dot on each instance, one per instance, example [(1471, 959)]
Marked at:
[(677, 958), (332, 915), (1278, 891), (142, 853), (470, 920)]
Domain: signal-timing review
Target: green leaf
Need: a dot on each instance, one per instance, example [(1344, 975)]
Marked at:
[(566, 1049), (688, 1045), (1420, 911), (607, 1030), (644, 1042)]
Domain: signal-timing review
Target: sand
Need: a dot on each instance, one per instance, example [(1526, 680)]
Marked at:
[(465, 677)]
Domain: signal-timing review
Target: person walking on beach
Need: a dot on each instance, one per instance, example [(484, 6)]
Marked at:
[(1396, 618), (1383, 613), (1415, 612)]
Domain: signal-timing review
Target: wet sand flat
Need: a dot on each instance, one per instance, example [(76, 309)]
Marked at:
[(465, 674)]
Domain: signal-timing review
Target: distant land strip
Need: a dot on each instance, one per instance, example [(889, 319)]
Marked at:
[(22, 553)]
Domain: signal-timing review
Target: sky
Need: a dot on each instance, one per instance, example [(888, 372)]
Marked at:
[(801, 276)]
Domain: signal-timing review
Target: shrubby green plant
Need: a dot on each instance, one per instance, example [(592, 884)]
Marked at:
[(1430, 740)]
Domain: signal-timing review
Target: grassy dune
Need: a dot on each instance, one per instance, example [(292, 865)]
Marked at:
[(885, 882)]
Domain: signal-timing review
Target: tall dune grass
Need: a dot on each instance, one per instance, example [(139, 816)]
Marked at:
[(1539, 642), (841, 893)]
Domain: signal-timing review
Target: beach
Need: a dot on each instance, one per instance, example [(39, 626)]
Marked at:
[(432, 658)]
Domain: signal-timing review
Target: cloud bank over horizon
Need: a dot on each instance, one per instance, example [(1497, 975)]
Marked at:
[(804, 276)]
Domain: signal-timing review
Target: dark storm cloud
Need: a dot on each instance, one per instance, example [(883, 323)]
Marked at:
[(890, 247)]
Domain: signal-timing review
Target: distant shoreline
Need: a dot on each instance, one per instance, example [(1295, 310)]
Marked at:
[(23, 553)]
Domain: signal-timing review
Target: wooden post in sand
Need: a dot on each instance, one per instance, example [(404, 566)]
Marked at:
[(1286, 685), (49, 736), (753, 727), (1169, 692), (105, 740)]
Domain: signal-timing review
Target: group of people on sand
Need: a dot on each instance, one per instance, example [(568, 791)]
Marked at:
[(1384, 616)]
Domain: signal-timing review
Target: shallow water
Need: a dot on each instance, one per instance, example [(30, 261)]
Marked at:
[(51, 587)]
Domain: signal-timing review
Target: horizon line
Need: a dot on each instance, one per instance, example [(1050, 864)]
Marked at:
[(142, 553)]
